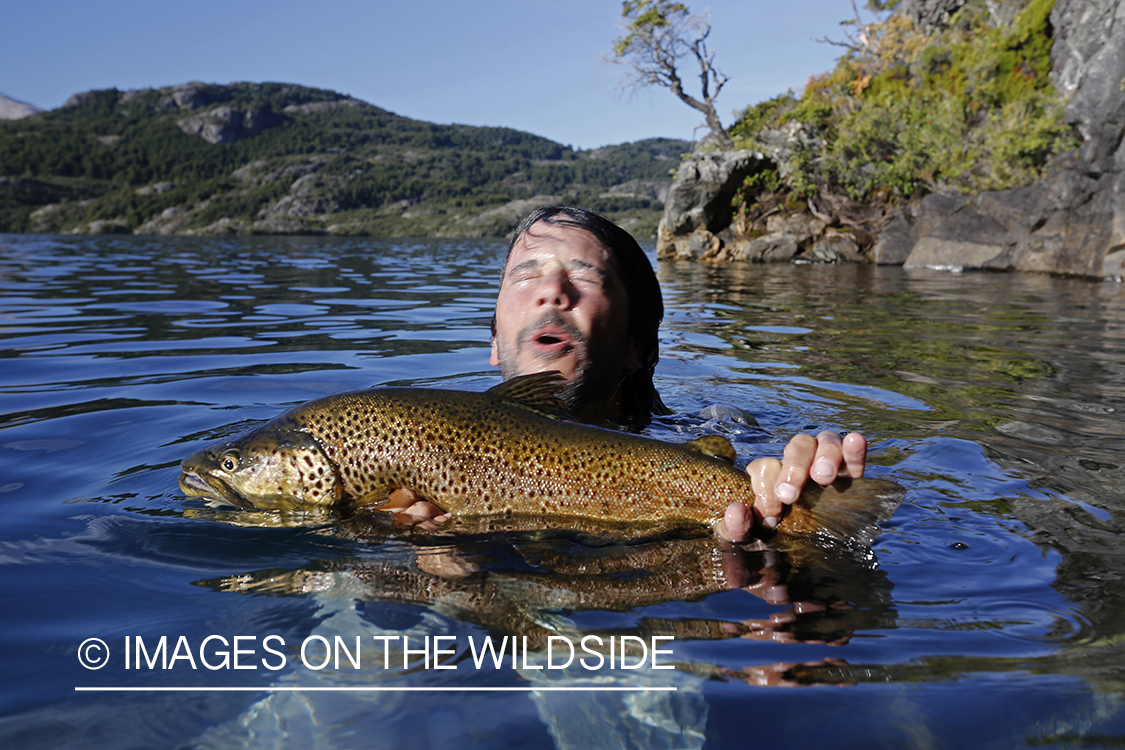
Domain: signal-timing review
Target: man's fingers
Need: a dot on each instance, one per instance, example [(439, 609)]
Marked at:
[(763, 476), (420, 511), (829, 455), (795, 464), (855, 455), (400, 499), (412, 510), (736, 524)]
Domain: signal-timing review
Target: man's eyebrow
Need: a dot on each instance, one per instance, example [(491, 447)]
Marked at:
[(531, 264), (574, 264), (584, 265)]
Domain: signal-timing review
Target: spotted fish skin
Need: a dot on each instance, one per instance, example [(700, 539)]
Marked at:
[(472, 454)]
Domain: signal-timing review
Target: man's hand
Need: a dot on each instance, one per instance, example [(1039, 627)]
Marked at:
[(778, 483), (411, 510)]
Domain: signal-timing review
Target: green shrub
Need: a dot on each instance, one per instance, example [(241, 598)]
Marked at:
[(971, 107)]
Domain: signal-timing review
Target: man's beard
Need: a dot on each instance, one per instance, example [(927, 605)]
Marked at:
[(597, 372)]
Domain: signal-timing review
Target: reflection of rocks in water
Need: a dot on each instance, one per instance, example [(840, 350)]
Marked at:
[(1074, 456), (1065, 433)]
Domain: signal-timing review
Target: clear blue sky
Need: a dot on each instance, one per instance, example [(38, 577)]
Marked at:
[(526, 64)]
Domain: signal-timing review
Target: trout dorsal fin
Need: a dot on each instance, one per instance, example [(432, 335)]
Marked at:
[(715, 446), (537, 392)]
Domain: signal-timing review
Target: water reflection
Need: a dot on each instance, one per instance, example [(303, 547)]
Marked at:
[(1028, 370), (513, 585)]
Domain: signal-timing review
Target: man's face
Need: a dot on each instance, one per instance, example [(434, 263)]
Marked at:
[(562, 306)]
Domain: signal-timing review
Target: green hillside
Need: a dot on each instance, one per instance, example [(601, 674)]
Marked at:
[(282, 158)]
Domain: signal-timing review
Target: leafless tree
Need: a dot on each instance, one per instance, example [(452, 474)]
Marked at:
[(659, 35)]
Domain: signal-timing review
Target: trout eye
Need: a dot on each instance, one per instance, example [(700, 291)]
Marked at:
[(229, 462)]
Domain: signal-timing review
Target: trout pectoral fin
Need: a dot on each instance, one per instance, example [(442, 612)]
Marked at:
[(715, 446), (379, 498)]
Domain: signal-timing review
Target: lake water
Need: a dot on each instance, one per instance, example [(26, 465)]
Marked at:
[(988, 614)]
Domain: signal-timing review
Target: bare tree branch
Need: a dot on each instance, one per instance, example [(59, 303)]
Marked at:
[(661, 33)]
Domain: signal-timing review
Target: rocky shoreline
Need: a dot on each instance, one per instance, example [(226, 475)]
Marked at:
[(1071, 221)]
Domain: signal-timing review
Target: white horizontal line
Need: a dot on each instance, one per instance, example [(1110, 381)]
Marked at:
[(362, 689)]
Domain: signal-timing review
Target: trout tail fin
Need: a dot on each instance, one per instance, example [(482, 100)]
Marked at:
[(848, 510)]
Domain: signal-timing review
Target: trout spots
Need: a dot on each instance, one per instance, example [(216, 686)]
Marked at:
[(472, 454)]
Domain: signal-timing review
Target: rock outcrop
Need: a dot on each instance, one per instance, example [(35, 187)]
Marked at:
[(929, 14), (698, 222), (225, 124), (1071, 221), (698, 206), (13, 109)]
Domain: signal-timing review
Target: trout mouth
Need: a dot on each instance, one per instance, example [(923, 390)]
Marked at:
[(213, 488)]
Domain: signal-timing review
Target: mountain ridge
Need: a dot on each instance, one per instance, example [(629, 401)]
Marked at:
[(14, 109), (279, 158)]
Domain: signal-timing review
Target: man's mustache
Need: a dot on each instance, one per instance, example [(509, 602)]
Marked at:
[(551, 319)]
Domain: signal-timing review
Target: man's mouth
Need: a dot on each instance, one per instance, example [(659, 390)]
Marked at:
[(553, 340)]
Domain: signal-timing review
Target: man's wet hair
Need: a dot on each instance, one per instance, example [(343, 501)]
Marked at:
[(639, 399)]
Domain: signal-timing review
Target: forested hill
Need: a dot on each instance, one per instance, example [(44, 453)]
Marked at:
[(282, 158)]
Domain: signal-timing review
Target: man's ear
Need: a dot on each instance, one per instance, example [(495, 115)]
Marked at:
[(494, 358)]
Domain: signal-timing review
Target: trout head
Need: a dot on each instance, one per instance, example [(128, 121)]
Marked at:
[(267, 468)]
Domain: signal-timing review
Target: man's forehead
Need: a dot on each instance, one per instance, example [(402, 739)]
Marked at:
[(572, 245)]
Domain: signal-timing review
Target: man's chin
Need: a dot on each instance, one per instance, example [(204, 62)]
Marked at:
[(567, 369), (566, 364)]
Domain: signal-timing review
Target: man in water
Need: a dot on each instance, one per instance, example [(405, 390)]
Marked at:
[(578, 295)]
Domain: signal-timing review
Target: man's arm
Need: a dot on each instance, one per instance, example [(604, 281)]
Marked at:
[(778, 483)]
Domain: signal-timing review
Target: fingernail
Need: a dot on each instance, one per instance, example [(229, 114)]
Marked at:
[(786, 492), (823, 468), (770, 522), (776, 595)]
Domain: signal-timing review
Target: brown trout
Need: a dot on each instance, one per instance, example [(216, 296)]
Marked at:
[(504, 455)]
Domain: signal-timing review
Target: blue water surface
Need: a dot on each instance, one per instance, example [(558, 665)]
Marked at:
[(989, 613)]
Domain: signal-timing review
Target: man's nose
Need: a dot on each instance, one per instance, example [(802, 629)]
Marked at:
[(558, 291)]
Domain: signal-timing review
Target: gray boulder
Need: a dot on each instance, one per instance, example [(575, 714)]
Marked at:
[(698, 206), (777, 247), (893, 245), (834, 247)]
